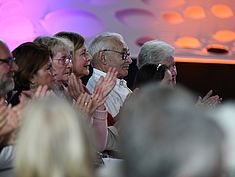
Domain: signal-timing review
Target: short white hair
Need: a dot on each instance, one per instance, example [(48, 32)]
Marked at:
[(154, 52), (55, 43), (102, 42)]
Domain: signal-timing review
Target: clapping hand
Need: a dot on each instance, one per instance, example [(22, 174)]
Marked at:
[(75, 87), (209, 100), (107, 83)]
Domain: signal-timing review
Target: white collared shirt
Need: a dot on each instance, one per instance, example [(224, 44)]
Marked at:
[(116, 97)]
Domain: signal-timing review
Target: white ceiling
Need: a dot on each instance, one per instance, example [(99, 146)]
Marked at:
[(192, 26)]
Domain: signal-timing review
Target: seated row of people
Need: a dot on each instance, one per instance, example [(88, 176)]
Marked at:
[(54, 66)]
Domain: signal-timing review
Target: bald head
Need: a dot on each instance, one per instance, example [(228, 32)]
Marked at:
[(4, 50), (6, 69)]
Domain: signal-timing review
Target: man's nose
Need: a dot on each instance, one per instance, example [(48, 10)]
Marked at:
[(88, 58), (129, 60), (14, 67)]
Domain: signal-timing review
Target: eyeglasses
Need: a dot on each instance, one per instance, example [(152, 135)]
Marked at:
[(64, 60), (9, 61), (125, 54)]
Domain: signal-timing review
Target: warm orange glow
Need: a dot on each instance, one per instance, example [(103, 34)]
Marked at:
[(195, 12), (165, 4), (221, 11), (188, 42), (233, 49), (203, 60), (224, 36), (172, 17)]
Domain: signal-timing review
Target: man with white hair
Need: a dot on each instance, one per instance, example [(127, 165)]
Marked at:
[(110, 50), (160, 52)]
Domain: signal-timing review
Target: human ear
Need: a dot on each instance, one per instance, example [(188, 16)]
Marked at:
[(103, 58)]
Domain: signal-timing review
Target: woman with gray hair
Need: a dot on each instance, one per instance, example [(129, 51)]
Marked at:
[(61, 50), (158, 52)]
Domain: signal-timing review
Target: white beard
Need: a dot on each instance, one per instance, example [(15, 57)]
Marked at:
[(6, 85)]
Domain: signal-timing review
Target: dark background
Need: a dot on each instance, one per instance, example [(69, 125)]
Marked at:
[(201, 77)]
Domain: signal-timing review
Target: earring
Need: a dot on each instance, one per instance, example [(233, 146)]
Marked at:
[(33, 85)]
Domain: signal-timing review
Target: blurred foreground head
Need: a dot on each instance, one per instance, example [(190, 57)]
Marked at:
[(53, 142), (224, 115), (165, 136)]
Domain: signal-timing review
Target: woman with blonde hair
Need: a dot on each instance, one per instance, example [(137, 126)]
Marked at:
[(53, 142)]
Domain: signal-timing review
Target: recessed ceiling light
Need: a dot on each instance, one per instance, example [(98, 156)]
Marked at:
[(224, 36), (172, 17), (194, 12), (217, 49), (221, 11), (188, 42)]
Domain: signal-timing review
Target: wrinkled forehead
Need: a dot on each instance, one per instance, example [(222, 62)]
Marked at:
[(118, 44)]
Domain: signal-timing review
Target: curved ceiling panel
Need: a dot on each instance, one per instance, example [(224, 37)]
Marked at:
[(82, 22), (19, 28), (11, 8), (136, 18), (100, 2)]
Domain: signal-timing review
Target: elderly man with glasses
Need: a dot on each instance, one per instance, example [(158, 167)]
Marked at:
[(110, 50), (7, 68), (8, 121)]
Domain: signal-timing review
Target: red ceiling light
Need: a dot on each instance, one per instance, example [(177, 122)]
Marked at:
[(195, 12), (188, 42), (140, 41), (224, 36), (217, 49), (221, 11), (172, 17)]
